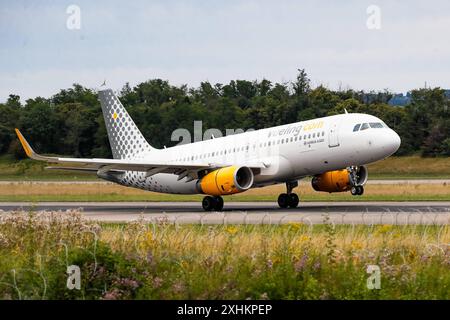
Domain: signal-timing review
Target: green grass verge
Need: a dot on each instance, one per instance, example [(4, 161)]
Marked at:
[(164, 261)]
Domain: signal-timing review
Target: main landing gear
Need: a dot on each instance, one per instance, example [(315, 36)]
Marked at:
[(212, 203), (289, 199), (357, 190)]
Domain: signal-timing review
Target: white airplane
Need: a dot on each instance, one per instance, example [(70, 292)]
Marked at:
[(333, 150)]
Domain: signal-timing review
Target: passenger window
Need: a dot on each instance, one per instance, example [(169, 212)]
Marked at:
[(356, 128), (365, 126)]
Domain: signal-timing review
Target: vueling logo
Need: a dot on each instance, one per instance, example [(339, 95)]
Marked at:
[(286, 130)]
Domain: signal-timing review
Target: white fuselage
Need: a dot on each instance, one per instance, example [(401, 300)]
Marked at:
[(289, 152)]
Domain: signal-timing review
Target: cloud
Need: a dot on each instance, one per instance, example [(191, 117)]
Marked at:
[(189, 42)]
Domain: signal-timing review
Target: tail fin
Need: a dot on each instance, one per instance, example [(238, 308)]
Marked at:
[(126, 140)]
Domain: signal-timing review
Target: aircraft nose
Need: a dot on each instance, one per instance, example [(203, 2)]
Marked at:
[(392, 143)]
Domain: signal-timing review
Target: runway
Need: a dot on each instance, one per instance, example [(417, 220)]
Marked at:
[(251, 212)]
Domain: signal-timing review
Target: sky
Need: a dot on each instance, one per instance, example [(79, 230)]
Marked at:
[(399, 46)]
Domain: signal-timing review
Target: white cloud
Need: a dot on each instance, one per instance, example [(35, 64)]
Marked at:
[(219, 41)]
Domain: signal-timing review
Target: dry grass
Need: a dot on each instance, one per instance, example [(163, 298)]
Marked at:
[(305, 189)]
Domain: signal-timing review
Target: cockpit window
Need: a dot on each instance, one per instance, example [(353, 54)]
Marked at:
[(364, 126), (376, 125), (356, 128)]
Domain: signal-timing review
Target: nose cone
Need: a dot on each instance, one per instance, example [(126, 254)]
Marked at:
[(392, 142)]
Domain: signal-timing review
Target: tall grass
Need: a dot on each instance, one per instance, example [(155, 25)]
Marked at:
[(166, 261)]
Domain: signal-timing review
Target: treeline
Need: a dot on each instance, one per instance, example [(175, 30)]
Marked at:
[(71, 123)]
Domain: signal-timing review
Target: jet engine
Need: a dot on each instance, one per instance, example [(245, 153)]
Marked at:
[(340, 180), (227, 180)]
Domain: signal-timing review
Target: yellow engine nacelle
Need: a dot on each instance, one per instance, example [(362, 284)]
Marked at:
[(332, 181), (226, 180), (340, 180)]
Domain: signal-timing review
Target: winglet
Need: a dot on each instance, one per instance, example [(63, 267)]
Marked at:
[(29, 151), (26, 146)]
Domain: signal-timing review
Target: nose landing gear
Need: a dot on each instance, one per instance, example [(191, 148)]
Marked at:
[(357, 190), (289, 199)]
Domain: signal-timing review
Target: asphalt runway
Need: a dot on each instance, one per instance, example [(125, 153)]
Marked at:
[(251, 212)]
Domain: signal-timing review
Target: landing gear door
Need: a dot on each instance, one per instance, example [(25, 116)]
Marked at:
[(333, 135)]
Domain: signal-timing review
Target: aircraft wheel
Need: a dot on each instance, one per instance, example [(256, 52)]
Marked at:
[(293, 200), (218, 203), (360, 190), (354, 191), (283, 200), (208, 203)]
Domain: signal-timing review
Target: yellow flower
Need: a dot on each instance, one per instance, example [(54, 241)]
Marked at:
[(276, 260), (356, 245), (385, 228), (304, 238), (396, 235), (412, 254), (149, 240), (295, 225), (231, 230)]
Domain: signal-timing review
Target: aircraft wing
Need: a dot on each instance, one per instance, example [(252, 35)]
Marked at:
[(105, 165)]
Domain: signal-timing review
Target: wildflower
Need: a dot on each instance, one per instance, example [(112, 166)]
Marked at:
[(178, 287), (316, 265), (304, 238), (412, 254), (300, 264), (149, 257), (295, 226), (114, 294), (385, 228), (269, 264), (129, 283), (157, 282), (356, 245), (149, 237), (232, 230), (3, 241)]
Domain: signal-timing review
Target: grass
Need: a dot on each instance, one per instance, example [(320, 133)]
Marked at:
[(411, 167), (59, 191), (166, 261)]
